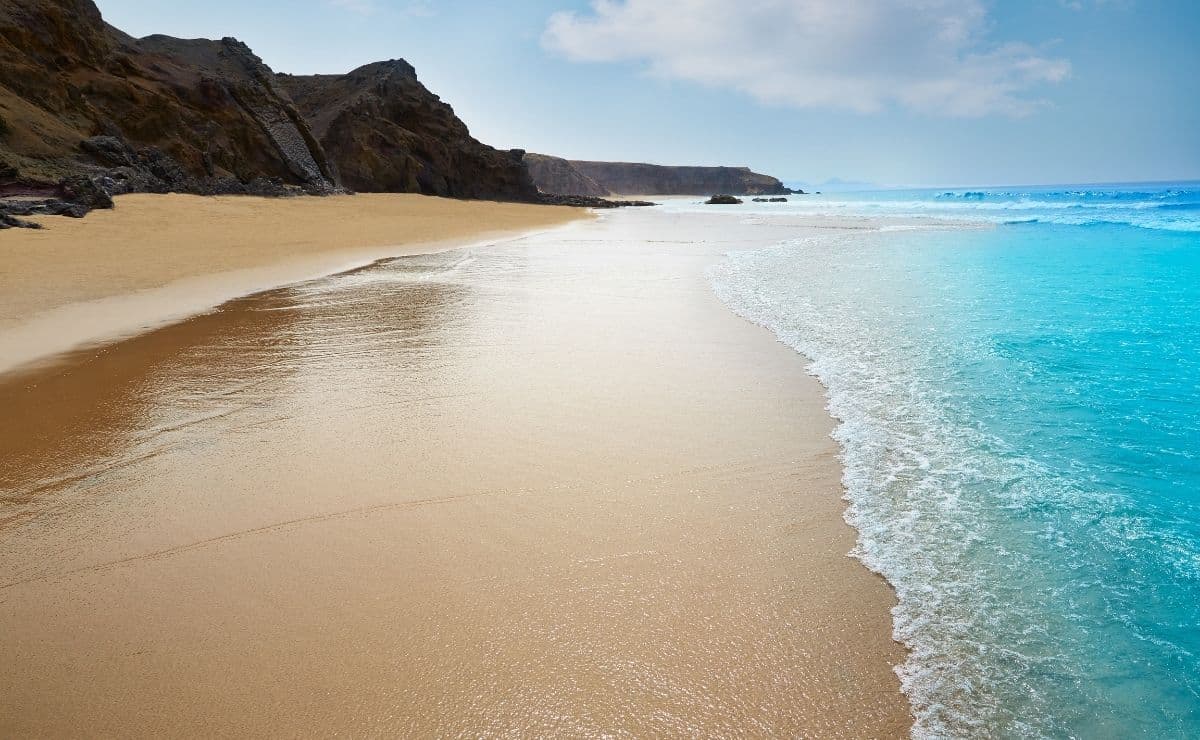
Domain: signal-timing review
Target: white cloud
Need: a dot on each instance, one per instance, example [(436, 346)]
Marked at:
[(864, 55)]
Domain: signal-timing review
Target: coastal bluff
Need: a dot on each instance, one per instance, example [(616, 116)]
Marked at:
[(385, 132), (557, 175), (582, 177), (79, 98)]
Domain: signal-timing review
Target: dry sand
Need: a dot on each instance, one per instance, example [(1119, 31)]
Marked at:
[(156, 258), (545, 487)]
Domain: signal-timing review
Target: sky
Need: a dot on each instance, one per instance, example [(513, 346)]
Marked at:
[(888, 92)]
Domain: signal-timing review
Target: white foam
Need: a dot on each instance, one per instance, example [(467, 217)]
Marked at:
[(907, 463)]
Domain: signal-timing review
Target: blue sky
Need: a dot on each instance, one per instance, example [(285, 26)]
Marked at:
[(921, 92)]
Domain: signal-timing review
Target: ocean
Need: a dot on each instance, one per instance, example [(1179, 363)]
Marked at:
[(1017, 385)]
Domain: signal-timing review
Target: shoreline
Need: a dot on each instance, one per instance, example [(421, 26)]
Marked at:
[(36, 326), (612, 472)]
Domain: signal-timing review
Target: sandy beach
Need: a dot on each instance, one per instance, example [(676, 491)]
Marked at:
[(156, 258), (548, 485)]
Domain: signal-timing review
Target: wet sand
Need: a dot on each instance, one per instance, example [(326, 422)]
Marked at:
[(548, 486), (157, 258)]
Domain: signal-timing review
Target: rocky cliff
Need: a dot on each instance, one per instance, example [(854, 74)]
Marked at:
[(80, 99), (384, 131), (651, 179), (557, 175)]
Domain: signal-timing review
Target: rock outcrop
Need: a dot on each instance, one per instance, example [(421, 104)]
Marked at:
[(650, 179), (590, 201), (723, 200), (558, 176), (385, 132), (9, 221), (79, 98)]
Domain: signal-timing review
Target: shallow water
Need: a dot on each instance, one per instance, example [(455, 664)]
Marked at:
[(550, 487), (1020, 424)]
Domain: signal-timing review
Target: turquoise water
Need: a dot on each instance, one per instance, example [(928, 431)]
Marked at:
[(1019, 398)]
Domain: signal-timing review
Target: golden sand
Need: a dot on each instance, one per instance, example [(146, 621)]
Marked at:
[(545, 487), (163, 257)]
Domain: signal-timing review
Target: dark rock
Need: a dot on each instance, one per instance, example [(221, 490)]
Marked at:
[(159, 114), (46, 207), (83, 191), (589, 201), (163, 168), (385, 132), (109, 151), (62, 208), (12, 222), (75, 197), (723, 200), (272, 187)]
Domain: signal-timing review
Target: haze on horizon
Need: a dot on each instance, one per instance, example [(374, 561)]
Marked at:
[(894, 92)]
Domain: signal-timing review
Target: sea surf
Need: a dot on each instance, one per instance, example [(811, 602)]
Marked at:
[(1016, 377)]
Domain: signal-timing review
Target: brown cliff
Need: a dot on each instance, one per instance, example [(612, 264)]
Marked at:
[(385, 131), (649, 179), (81, 99), (557, 175), (172, 114)]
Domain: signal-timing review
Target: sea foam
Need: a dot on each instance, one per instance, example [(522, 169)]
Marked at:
[(1017, 416)]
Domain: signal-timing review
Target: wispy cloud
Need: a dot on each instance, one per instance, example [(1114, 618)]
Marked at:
[(932, 56)]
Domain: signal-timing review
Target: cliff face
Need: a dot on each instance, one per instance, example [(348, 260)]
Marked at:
[(385, 131), (201, 116), (558, 176), (79, 98), (650, 179)]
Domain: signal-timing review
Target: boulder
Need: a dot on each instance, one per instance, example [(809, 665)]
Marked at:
[(723, 200), (109, 151), (81, 190), (12, 222)]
